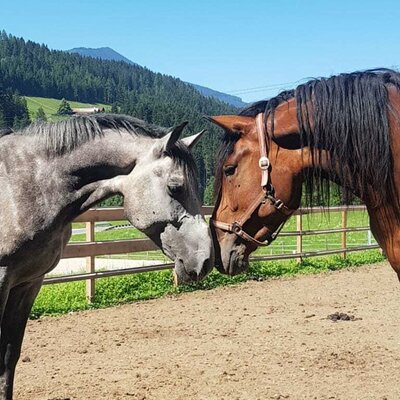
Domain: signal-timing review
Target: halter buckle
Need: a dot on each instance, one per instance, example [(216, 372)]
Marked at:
[(263, 163), (278, 204), (236, 228)]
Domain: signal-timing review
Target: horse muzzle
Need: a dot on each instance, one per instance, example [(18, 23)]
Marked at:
[(190, 246), (231, 256)]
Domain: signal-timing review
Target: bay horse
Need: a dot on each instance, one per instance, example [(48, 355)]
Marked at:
[(52, 172), (344, 129)]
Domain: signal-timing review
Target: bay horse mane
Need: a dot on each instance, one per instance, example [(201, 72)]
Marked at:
[(346, 115)]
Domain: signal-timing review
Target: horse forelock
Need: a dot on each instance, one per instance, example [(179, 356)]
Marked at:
[(225, 149), (184, 159)]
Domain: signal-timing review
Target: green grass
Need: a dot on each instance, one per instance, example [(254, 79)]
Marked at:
[(115, 234), (50, 106), (68, 297)]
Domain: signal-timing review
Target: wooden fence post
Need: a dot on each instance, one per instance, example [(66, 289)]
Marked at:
[(90, 263), (344, 234), (175, 276), (299, 237)]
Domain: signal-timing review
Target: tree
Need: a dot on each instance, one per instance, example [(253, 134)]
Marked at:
[(114, 108), (13, 110), (2, 121), (114, 201), (64, 108), (41, 115), (209, 192)]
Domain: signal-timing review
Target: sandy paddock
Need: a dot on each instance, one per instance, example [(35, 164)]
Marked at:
[(259, 340)]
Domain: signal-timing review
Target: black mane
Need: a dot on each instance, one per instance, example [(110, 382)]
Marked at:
[(349, 114)]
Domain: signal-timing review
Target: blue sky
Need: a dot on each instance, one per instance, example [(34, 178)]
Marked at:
[(261, 46)]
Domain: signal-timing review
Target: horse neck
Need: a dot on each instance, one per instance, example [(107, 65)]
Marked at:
[(317, 162), (102, 157), (89, 173)]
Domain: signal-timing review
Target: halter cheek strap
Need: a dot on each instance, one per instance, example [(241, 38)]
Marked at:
[(267, 193), (263, 162)]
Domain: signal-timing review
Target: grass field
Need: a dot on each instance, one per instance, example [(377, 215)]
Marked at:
[(50, 106)]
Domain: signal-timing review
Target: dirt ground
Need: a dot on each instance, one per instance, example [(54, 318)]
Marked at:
[(259, 340)]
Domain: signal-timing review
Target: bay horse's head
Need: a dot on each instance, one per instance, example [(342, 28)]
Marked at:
[(258, 186)]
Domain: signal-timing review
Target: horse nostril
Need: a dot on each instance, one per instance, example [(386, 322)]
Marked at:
[(205, 269), (194, 275)]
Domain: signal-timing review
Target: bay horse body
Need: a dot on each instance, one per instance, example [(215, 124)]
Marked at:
[(51, 173), (343, 129)]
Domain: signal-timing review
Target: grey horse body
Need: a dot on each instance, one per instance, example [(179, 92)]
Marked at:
[(45, 185)]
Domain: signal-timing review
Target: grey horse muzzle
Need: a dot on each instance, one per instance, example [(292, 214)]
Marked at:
[(189, 244)]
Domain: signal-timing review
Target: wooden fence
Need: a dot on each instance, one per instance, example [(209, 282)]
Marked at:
[(92, 248)]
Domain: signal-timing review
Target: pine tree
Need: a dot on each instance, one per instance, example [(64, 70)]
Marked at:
[(209, 192), (64, 108), (17, 123), (114, 108), (41, 115)]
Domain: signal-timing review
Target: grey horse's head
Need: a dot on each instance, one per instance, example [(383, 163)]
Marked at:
[(165, 181)]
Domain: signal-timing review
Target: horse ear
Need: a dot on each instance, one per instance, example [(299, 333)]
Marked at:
[(171, 138), (234, 123), (191, 141)]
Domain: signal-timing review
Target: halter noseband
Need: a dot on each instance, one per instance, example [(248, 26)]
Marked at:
[(267, 193)]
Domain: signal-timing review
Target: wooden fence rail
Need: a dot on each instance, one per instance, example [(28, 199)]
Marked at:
[(92, 248)]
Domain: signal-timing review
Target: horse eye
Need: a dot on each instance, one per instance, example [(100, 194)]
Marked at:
[(175, 189), (229, 170)]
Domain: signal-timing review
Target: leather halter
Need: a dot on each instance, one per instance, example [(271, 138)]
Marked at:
[(267, 193)]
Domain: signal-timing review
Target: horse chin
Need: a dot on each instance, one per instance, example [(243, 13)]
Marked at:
[(182, 275), (231, 254), (234, 261)]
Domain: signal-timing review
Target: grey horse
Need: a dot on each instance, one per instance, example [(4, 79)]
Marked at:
[(52, 172)]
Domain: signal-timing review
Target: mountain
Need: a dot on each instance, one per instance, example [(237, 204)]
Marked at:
[(227, 98), (106, 53)]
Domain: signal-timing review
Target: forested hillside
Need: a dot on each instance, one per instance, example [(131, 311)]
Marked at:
[(105, 53), (34, 70)]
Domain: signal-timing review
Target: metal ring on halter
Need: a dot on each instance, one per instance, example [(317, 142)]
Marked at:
[(263, 162), (236, 227)]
